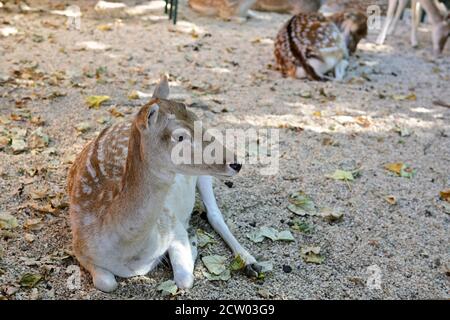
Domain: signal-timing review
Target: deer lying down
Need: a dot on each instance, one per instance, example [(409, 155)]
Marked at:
[(130, 204), (311, 45), (225, 9)]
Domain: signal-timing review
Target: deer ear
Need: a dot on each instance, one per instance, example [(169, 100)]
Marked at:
[(148, 115), (162, 88), (152, 115)]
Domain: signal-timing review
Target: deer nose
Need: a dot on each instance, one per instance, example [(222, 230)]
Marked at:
[(236, 166)]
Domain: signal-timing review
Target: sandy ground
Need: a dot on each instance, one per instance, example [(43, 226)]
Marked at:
[(225, 68)]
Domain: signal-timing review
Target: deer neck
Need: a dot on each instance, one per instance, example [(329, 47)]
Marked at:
[(144, 187)]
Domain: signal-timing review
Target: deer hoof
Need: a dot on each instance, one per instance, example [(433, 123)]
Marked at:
[(252, 270)]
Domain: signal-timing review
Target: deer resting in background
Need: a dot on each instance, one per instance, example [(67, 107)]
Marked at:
[(130, 203)]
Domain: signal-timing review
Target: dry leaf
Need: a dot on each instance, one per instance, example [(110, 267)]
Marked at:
[(311, 255), (8, 221), (363, 122), (445, 195), (38, 139), (116, 113), (96, 101), (29, 237), (409, 97), (391, 200), (400, 169), (33, 224)]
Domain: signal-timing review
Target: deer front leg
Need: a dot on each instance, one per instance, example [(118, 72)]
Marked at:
[(182, 259), (215, 218)]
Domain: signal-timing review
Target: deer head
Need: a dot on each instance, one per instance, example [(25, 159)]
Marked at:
[(164, 135)]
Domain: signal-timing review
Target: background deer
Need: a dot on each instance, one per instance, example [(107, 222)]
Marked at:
[(130, 203), (288, 6), (223, 8), (311, 45)]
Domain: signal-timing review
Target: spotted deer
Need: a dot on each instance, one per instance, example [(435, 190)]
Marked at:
[(311, 45), (130, 203), (225, 9)]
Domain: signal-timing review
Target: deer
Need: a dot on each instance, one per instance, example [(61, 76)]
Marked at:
[(225, 9), (130, 202), (288, 6), (311, 45), (439, 17)]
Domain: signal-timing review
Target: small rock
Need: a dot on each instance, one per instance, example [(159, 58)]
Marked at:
[(229, 184), (287, 269)]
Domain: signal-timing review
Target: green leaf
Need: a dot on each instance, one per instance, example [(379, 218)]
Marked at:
[(204, 238), (215, 264), (237, 264), (301, 227), (224, 276), (29, 280), (96, 101), (168, 287), (342, 175), (311, 255), (301, 204), (285, 235), (270, 233), (8, 221)]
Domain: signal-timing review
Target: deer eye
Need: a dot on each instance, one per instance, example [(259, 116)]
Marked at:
[(180, 138)]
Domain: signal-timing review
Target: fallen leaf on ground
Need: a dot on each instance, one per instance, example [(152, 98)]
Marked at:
[(29, 237), (18, 145), (270, 233), (331, 215), (342, 175), (96, 101), (39, 193), (8, 221), (401, 169), (4, 141), (363, 122), (38, 139), (264, 293), (133, 95), (104, 27), (409, 97), (301, 204), (33, 224), (391, 200), (215, 264), (311, 255), (445, 195), (204, 238), (224, 276), (29, 280), (168, 288), (402, 131), (83, 127), (301, 226), (116, 113)]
